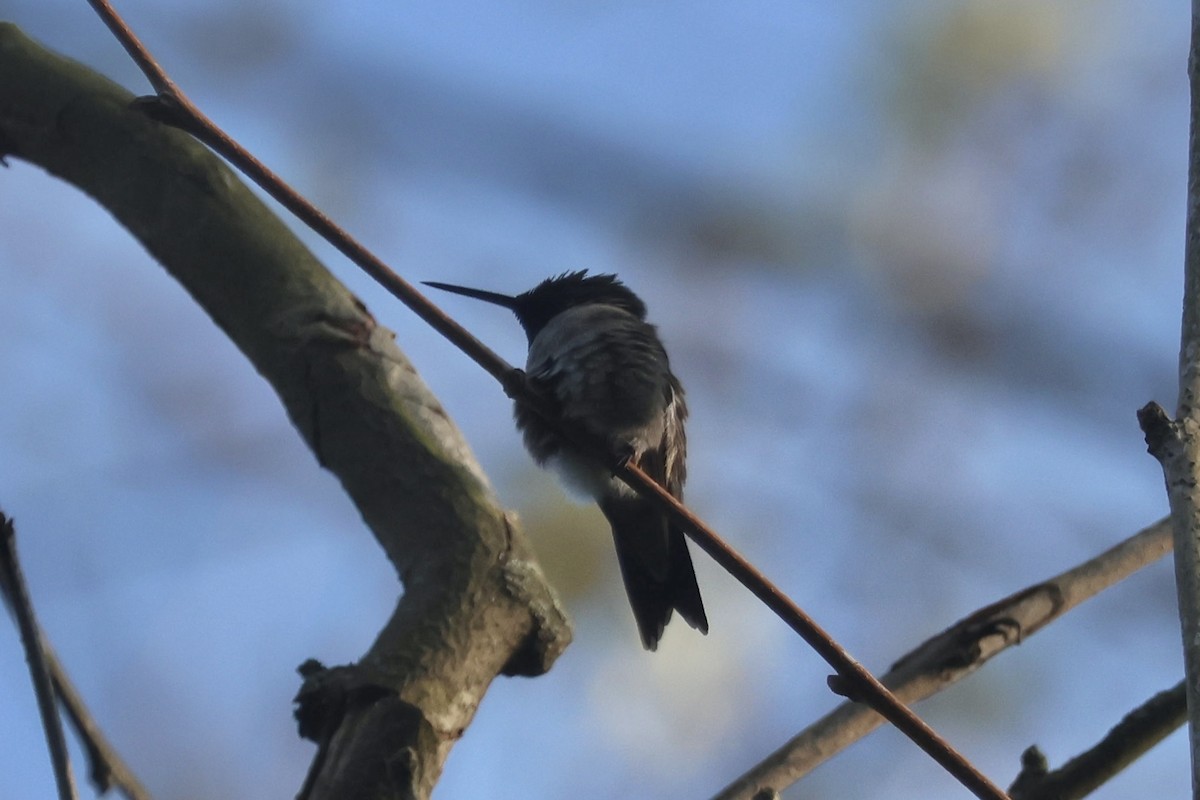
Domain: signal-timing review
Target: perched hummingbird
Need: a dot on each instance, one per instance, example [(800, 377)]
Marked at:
[(601, 366)]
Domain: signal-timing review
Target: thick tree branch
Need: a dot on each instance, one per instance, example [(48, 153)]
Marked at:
[(475, 604), (954, 654)]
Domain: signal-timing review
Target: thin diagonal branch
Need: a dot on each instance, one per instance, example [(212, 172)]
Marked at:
[(35, 654), (106, 769), (856, 680), (954, 654), (174, 107), (180, 111), (1129, 739)]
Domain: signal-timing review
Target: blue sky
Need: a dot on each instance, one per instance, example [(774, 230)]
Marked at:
[(917, 264)]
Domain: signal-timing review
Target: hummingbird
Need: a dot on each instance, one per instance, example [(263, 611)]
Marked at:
[(602, 368)]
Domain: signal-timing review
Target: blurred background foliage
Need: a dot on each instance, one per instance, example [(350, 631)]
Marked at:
[(917, 263)]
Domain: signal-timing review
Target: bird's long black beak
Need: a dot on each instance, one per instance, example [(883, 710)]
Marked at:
[(478, 294)]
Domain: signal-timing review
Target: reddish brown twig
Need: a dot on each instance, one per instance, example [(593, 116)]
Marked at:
[(174, 107)]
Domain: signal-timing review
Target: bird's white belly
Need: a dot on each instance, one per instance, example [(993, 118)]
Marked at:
[(584, 479)]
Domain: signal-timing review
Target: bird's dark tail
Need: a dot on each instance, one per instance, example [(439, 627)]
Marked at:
[(656, 567)]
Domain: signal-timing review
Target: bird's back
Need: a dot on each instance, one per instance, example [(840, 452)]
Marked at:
[(605, 370)]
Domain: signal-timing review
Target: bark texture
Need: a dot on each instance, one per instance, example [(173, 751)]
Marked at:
[(475, 604)]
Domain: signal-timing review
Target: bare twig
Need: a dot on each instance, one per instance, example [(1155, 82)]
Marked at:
[(1176, 443), (856, 680), (106, 768), (1141, 729), (174, 107), (35, 654), (954, 654)]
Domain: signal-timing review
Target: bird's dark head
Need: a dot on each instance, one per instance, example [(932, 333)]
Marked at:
[(536, 307)]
